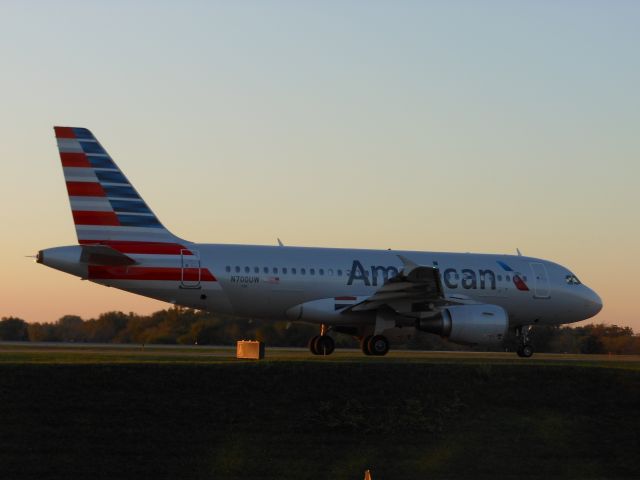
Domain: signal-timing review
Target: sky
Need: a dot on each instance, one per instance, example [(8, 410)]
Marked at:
[(437, 126)]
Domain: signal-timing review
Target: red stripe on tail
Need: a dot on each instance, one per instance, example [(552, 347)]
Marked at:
[(85, 189), (64, 132), (74, 159), (95, 218)]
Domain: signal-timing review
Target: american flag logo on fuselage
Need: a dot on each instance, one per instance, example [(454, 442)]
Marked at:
[(344, 302)]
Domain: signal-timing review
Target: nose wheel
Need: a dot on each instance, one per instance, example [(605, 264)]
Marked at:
[(525, 349), (322, 344)]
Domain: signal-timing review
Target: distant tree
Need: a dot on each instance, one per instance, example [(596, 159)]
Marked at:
[(71, 328), (565, 341), (13, 329), (43, 332), (185, 326), (591, 344), (106, 327)]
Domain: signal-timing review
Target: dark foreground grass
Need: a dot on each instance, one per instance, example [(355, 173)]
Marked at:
[(318, 420)]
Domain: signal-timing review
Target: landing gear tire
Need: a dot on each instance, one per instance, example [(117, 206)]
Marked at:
[(312, 344), (525, 351), (364, 344), (325, 345), (378, 345), (322, 345)]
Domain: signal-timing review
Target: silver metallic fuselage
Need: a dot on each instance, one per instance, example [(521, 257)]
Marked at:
[(251, 281)]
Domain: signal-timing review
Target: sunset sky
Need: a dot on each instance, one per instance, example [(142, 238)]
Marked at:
[(446, 126)]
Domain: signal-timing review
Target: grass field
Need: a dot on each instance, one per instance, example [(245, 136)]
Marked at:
[(78, 411)]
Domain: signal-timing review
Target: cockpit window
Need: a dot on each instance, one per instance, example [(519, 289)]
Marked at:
[(572, 280)]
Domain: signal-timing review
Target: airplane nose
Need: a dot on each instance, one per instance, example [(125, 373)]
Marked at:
[(593, 303)]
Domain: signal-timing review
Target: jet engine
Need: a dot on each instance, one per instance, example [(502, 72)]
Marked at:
[(327, 310), (468, 324)]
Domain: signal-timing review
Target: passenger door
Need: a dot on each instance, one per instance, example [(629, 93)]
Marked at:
[(190, 271), (541, 280)]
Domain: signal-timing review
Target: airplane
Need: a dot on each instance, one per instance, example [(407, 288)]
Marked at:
[(378, 296)]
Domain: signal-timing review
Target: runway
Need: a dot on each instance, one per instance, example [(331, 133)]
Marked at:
[(83, 353)]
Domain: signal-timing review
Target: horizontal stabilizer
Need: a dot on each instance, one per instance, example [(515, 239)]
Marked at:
[(104, 255)]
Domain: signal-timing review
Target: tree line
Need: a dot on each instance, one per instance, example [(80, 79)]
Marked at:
[(182, 326)]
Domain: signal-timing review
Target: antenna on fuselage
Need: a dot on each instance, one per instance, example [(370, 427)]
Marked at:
[(280, 243), (518, 250)]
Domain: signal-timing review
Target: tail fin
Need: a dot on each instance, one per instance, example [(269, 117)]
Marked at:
[(106, 208)]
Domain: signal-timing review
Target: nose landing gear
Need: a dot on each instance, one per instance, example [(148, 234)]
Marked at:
[(525, 349), (322, 344)]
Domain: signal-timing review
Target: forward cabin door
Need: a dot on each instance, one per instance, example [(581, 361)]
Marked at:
[(541, 280), (190, 270)]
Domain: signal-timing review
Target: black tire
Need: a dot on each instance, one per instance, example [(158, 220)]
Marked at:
[(364, 344), (313, 345), (378, 345), (325, 345), (525, 351)]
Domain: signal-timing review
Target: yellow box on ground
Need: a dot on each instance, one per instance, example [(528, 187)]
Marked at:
[(251, 349)]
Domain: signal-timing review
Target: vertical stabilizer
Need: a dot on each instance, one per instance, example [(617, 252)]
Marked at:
[(106, 208)]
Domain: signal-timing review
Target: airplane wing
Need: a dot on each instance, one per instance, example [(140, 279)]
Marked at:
[(104, 255), (413, 284)]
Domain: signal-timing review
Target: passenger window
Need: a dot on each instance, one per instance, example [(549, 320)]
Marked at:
[(265, 269), (499, 278), (275, 269), (303, 271), (228, 268), (312, 271), (339, 272), (247, 270), (321, 271), (330, 272), (237, 269), (293, 271), (507, 278), (284, 270), (256, 269)]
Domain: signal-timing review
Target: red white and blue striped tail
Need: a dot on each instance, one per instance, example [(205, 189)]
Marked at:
[(106, 208)]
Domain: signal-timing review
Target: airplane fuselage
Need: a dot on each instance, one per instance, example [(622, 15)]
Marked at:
[(267, 281)]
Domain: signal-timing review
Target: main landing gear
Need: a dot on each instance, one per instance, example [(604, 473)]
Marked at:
[(322, 344), (377, 345), (525, 349)]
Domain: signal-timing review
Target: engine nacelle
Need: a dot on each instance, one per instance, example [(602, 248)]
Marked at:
[(327, 310), (468, 324)]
